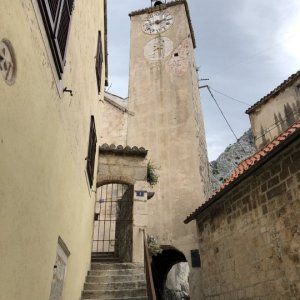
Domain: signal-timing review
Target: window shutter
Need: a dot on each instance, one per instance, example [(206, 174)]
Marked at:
[(52, 9), (91, 152), (61, 32), (57, 17), (99, 61)]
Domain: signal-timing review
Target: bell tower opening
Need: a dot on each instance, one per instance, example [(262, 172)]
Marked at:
[(157, 3)]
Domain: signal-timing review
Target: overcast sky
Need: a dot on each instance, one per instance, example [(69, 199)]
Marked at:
[(245, 47)]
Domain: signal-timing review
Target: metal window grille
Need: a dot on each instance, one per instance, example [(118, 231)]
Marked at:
[(113, 220), (91, 152), (56, 16), (99, 61)]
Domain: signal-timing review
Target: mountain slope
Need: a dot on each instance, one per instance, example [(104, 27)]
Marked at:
[(222, 167)]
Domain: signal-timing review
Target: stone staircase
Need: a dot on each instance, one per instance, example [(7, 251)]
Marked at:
[(114, 280)]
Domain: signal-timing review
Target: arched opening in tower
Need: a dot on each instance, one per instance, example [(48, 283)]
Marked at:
[(170, 274)]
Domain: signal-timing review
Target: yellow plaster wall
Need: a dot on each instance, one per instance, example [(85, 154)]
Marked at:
[(43, 144)]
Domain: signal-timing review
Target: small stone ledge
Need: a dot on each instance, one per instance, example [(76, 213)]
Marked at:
[(120, 150)]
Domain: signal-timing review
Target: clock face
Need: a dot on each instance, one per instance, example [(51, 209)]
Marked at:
[(157, 22), (158, 48)]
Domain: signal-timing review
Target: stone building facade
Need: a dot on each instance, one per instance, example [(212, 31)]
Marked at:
[(163, 114), (249, 240), (276, 111), (114, 119)]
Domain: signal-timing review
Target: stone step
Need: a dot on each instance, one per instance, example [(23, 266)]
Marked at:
[(116, 272), (106, 260), (122, 298), (104, 257), (114, 266), (98, 277), (90, 294), (103, 253), (127, 285)]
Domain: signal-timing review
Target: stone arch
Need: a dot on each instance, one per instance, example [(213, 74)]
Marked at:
[(117, 166), (107, 179), (162, 264), (121, 165)]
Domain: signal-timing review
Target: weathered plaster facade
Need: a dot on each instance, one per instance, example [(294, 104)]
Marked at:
[(249, 234), (164, 96), (129, 166), (275, 112), (114, 120), (44, 134)]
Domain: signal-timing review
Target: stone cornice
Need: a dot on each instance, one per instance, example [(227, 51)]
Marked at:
[(131, 151)]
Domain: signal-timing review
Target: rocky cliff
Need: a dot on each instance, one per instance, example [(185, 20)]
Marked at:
[(222, 167)]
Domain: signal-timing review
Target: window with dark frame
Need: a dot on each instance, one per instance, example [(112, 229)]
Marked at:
[(195, 257), (99, 61), (90, 164), (56, 17)]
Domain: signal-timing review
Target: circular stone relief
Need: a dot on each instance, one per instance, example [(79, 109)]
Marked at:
[(8, 65), (158, 48)]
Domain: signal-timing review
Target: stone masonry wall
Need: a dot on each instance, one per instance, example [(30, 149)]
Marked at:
[(250, 239)]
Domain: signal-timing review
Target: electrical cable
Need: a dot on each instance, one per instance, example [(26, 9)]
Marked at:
[(242, 102), (231, 129)]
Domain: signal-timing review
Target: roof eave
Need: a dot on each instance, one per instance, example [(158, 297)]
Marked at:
[(279, 89), (243, 176)]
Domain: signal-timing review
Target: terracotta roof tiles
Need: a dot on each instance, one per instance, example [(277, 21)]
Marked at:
[(127, 150), (246, 166)]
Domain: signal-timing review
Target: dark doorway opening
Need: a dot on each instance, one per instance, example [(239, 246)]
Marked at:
[(162, 264), (113, 221)]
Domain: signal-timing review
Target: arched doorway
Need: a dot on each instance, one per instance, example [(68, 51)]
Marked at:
[(177, 283), (113, 219), (161, 266)]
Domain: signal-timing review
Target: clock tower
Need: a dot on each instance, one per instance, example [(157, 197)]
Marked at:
[(164, 97)]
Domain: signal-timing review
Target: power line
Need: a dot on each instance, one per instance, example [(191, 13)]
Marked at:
[(231, 129), (221, 93)]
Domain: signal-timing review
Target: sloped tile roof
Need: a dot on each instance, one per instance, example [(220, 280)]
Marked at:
[(275, 92), (245, 167)]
